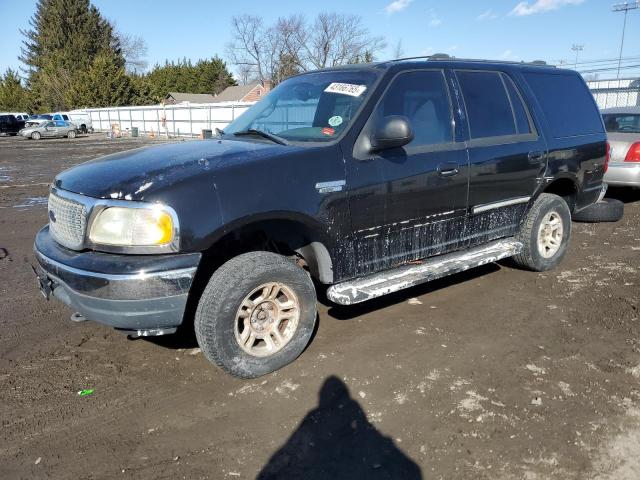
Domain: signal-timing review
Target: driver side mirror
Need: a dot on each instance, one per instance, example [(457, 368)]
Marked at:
[(393, 131)]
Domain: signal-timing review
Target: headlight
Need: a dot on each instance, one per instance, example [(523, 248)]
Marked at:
[(133, 227)]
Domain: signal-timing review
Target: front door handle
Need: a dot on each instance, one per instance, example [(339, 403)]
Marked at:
[(536, 157), (448, 169)]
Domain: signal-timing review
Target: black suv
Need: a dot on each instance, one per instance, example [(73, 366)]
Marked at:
[(10, 125), (363, 180)]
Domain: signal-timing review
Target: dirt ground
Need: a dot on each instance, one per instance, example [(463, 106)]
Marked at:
[(497, 373)]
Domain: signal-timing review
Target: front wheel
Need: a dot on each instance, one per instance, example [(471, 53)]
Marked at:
[(544, 233), (36, 135), (71, 134), (256, 314)]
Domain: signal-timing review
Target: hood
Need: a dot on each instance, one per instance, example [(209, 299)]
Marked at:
[(135, 174)]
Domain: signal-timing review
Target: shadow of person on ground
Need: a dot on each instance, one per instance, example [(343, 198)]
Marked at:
[(336, 441)]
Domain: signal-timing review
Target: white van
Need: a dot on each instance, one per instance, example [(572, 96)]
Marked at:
[(79, 118), (82, 119)]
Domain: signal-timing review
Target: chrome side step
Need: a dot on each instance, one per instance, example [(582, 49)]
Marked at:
[(388, 281)]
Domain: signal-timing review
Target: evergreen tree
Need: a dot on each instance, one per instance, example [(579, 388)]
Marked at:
[(65, 38), (206, 76), (13, 96), (104, 84)]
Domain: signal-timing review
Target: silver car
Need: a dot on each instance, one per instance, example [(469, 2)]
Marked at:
[(623, 132), (49, 129)]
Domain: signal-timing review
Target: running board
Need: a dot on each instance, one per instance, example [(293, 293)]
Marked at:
[(388, 281)]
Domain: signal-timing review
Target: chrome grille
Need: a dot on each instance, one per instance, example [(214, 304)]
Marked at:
[(67, 221)]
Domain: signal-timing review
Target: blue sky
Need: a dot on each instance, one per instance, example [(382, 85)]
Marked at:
[(499, 29)]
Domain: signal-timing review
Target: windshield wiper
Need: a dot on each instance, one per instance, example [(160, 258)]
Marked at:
[(260, 133), (219, 132)]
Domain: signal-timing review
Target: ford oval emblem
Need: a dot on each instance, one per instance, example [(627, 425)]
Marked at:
[(52, 216)]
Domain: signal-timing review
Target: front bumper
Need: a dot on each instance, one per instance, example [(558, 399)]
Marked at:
[(128, 292), (623, 174)]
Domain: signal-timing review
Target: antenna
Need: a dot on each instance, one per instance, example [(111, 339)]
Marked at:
[(624, 7)]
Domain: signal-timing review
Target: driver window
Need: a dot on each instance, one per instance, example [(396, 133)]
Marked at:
[(421, 97)]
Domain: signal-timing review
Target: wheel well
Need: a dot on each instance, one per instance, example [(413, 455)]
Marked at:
[(286, 237), (565, 188)]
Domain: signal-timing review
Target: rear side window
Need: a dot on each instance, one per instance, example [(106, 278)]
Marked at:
[(566, 102), (488, 107)]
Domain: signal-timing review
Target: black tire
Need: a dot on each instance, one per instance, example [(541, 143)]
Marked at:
[(606, 210), (216, 315), (83, 129), (531, 256)]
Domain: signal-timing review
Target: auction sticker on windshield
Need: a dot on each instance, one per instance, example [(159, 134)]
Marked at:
[(350, 89)]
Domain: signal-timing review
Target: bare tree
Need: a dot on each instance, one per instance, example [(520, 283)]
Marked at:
[(134, 51), (246, 50), (294, 45), (338, 39)]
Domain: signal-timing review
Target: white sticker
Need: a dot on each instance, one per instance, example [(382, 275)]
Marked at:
[(335, 121), (346, 89)]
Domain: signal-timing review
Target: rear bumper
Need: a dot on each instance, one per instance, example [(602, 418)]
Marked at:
[(623, 174), (129, 292)]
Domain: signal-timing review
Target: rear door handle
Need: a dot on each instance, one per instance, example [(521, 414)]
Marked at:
[(536, 157), (448, 169)]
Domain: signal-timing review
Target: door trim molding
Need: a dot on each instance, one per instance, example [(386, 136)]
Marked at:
[(500, 204)]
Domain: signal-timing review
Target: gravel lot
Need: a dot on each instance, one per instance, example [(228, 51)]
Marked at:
[(496, 373)]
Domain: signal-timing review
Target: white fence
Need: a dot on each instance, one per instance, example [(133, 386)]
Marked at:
[(176, 120), (624, 92)]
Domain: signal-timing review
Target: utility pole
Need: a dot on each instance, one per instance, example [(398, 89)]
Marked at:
[(624, 7), (577, 48)]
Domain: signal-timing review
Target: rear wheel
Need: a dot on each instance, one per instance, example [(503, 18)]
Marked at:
[(36, 135), (83, 128), (256, 314), (544, 233)]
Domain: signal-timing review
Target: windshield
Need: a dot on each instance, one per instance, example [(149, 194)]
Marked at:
[(315, 107), (622, 122)]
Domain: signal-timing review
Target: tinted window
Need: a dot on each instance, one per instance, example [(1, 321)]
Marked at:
[(566, 102), (621, 123), (421, 97), (488, 108), (519, 111)]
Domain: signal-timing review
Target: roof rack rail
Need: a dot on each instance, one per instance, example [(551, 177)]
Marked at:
[(444, 56)]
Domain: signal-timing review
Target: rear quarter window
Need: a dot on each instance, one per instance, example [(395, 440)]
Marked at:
[(566, 102)]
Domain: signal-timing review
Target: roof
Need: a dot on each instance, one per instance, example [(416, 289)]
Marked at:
[(234, 93), (438, 61), (180, 97)]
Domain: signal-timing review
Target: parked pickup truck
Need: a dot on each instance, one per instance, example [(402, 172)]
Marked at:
[(361, 180)]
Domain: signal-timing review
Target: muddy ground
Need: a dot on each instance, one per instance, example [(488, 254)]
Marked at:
[(497, 373)]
